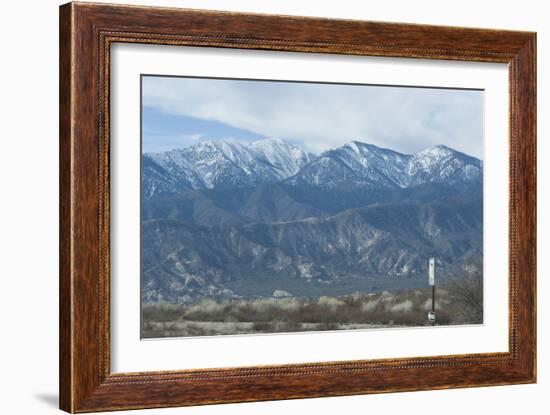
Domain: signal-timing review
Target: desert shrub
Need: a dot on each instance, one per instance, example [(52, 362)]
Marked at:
[(439, 304), (460, 301), (386, 296), (261, 326), (369, 306), (403, 307), (289, 304), (160, 311), (276, 326), (206, 306), (327, 326), (466, 299), (330, 302)]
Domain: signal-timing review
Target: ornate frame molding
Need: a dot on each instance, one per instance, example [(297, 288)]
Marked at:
[(86, 34)]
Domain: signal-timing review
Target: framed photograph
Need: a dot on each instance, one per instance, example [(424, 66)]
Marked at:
[(244, 233), (258, 207)]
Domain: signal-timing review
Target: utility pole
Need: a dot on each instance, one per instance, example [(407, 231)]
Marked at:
[(431, 279)]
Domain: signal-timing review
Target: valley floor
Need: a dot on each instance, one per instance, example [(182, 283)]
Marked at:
[(458, 302), (215, 328)]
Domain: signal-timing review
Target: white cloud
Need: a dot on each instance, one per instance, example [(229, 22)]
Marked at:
[(325, 115), (168, 142)]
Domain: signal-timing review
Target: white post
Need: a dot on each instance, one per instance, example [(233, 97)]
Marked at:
[(431, 274), (431, 279)]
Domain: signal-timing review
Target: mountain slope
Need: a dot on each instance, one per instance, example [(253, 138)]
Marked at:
[(357, 164), (442, 164), (287, 158), (231, 165), (226, 219), (228, 164), (279, 202), (183, 261)]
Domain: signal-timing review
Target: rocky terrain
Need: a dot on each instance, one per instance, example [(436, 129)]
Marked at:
[(231, 220)]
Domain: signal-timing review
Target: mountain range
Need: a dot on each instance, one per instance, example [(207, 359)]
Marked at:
[(223, 218), (229, 164)]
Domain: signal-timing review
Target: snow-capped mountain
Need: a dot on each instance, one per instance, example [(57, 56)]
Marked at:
[(158, 181), (219, 219), (443, 164), (287, 158), (356, 163), (229, 164), (361, 164), (223, 164)]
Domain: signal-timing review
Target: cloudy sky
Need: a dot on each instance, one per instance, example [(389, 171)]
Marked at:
[(178, 112)]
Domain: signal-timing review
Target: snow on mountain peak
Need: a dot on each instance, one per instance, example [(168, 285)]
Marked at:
[(227, 164), (362, 164), (442, 163), (230, 163), (437, 151), (287, 158), (355, 146)]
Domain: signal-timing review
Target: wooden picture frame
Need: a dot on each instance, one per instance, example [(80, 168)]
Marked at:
[(86, 33)]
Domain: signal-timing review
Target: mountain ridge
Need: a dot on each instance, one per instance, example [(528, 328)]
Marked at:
[(355, 247), (223, 219), (362, 164), (230, 164)]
